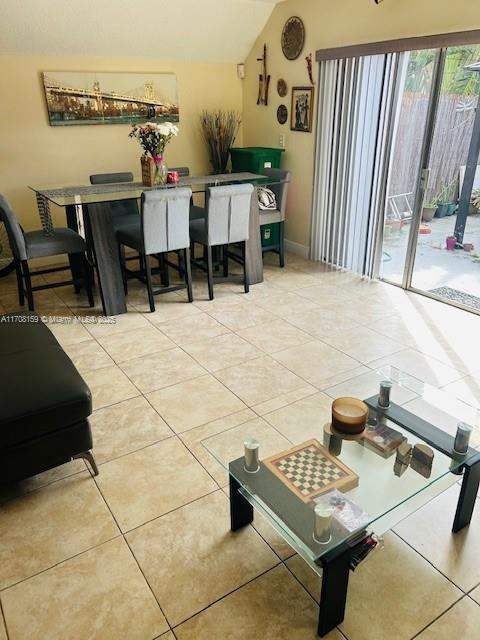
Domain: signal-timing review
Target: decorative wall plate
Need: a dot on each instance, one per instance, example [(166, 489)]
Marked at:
[(293, 38), (282, 88), (282, 114)]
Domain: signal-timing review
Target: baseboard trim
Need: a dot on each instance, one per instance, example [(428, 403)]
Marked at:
[(298, 249)]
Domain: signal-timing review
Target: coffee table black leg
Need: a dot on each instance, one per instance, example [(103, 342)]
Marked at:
[(333, 598), (468, 495), (241, 511)]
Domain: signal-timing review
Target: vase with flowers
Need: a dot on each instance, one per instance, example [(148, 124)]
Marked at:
[(153, 138)]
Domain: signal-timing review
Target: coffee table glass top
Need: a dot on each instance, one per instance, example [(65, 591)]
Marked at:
[(368, 486)]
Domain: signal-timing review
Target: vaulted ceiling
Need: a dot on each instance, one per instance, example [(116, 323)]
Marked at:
[(193, 30)]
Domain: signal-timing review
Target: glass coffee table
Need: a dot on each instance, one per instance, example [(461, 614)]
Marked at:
[(331, 497)]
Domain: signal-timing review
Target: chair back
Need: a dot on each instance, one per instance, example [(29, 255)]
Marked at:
[(280, 190), (14, 231), (228, 213), (117, 207), (165, 217)]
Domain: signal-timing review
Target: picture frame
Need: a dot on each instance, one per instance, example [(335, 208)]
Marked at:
[(301, 113), (93, 98)]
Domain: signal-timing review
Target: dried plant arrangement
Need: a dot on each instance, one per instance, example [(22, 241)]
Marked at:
[(219, 129)]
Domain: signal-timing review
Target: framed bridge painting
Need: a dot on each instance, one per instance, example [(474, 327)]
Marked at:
[(77, 97)]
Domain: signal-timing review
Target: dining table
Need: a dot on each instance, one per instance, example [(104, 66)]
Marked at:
[(88, 212)]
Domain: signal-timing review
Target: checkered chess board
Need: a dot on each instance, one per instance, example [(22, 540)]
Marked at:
[(310, 470)]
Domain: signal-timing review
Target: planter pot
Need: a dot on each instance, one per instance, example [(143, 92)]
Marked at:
[(148, 171), (442, 210), (428, 213), (451, 243), (452, 207)]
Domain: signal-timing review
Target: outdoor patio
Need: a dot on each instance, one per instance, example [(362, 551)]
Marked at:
[(435, 266)]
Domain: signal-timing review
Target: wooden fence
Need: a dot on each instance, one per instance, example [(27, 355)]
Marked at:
[(451, 141)]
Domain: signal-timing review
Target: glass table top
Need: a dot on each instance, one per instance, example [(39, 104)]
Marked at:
[(66, 195), (377, 491)]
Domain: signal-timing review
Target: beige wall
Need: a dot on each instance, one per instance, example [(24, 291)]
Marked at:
[(331, 23), (33, 152)]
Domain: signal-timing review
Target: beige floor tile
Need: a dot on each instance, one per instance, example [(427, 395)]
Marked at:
[(192, 550), (168, 307), (242, 316), (289, 280), (259, 380), (367, 385), (322, 322), (88, 356), (429, 531), (475, 594), (150, 482), (42, 479), (284, 400), (166, 636), (273, 539), (194, 437), (222, 351), (47, 526), (99, 595), (275, 336), (325, 294), (228, 445), (315, 362), (395, 580), (343, 376), (399, 581), (420, 366), (126, 427), (227, 301), (304, 419), (194, 402), (162, 369), (3, 633), (198, 327), (116, 324), (135, 343), (272, 607), (109, 386), (70, 331), (363, 344), (461, 622), (284, 304), (467, 389)]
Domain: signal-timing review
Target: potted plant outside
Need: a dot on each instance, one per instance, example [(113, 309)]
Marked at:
[(428, 210), (446, 205)]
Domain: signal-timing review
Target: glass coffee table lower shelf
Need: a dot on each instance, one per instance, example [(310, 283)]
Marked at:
[(327, 495)]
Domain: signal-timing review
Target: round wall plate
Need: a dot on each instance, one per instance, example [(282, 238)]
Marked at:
[(282, 114), (282, 88), (293, 38)]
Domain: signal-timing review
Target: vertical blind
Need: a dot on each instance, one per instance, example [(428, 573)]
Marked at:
[(356, 111)]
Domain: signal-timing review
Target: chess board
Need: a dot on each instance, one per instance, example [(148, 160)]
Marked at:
[(310, 470)]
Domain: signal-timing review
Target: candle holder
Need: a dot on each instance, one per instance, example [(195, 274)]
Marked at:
[(384, 394), (349, 415), (322, 524), (251, 451), (462, 438)]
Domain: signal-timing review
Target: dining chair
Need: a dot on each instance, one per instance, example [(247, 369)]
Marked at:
[(164, 220), (39, 244), (272, 216), (124, 212), (226, 222)]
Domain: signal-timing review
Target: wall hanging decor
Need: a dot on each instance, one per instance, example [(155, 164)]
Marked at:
[(75, 97), (282, 88), (309, 63), (301, 114), (263, 80), (293, 38), (282, 114)]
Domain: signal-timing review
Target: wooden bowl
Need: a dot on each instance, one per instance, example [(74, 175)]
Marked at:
[(349, 415)]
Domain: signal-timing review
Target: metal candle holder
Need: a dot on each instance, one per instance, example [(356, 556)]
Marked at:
[(322, 527), (384, 394), (251, 451), (462, 438)]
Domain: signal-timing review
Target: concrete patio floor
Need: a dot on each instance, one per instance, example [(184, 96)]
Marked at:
[(434, 265)]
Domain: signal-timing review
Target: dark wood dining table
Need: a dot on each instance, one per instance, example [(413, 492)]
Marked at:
[(87, 209)]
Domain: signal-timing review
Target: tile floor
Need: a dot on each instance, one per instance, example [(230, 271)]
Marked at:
[(144, 550)]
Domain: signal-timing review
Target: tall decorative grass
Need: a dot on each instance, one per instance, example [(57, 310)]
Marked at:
[(219, 129)]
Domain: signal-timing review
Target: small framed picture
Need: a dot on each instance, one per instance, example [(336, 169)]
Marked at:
[(302, 109)]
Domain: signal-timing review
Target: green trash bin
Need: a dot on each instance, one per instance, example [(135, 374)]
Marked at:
[(255, 159)]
